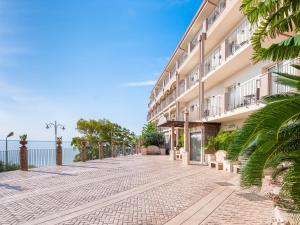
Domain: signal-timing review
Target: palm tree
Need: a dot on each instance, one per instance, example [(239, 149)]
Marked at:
[(270, 137), (271, 18)]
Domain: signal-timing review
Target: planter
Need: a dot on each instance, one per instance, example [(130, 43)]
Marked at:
[(144, 151), (210, 157), (283, 216), (151, 150), (162, 151)]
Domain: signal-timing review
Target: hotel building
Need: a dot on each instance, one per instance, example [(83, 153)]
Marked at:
[(210, 82)]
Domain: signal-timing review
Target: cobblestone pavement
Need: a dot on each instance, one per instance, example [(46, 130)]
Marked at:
[(126, 190)]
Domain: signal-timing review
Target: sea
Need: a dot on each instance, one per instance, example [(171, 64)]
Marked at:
[(40, 153)]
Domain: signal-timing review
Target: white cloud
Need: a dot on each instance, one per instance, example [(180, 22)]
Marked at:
[(140, 84)]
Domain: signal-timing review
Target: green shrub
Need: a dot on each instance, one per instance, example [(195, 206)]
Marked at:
[(154, 138), (222, 141), (9, 167)]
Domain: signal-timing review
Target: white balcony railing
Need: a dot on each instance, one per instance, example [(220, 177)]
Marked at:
[(182, 58), (172, 72), (239, 37), (243, 94), (282, 67), (210, 111), (216, 13), (181, 88), (193, 77), (194, 42), (213, 60)]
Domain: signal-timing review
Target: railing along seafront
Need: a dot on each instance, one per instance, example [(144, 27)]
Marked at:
[(43, 153), (40, 153)]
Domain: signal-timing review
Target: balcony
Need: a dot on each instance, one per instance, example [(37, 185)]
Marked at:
[(181, 88), (182, 58), (211, 111), (189, 57), (193, 78), (238, 38), (194, 113), (212, 61), (216, 13), (242, 95), (171, 98), (231, 56), (283, 67), (241, 99)]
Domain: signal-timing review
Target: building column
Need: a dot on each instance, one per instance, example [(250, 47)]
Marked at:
[(186, 153), (172, 147), (202, 38)]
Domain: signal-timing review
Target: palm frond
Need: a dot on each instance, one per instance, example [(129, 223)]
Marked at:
[(270, 118), (291, 183), (269, 152), (286, 49), (280, 97)]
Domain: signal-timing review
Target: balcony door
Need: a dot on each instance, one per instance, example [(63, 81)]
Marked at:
[(196, 145), (232, 97)]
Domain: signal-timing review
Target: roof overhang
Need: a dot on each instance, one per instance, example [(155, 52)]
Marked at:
[(180, 124)]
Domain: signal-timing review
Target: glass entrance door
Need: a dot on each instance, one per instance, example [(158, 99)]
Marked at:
[(196, 142)]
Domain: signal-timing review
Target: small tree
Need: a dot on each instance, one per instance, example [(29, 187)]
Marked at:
[(154, 138)]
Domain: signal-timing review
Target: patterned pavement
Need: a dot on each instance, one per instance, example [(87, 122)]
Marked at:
[(126, 190)]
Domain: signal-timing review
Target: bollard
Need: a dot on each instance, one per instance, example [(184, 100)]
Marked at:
[(83, 151), (59, 151), (23, 153), (101, 153)]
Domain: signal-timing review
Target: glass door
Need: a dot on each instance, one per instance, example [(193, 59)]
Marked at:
[(196, 143)]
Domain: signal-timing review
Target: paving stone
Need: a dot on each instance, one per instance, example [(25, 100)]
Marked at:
[(159, 190)]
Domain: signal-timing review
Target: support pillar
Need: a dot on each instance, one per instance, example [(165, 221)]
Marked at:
[(186, 153), (58, 151), (101, 153), (113, 150), (24, 153), (172, 147), (83, 151), (124, 149), (202, 38)]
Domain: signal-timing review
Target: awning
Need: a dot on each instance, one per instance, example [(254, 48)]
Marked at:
[(174, 123)]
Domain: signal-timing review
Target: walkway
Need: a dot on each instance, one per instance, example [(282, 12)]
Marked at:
[(128, 190)]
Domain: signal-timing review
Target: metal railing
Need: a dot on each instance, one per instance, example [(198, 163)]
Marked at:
[(38, 157), (216, 13), (211, 110), (193, 77), (283, 67), (181, 88), (212, 61), (194, 42), (182, 58), (238, 38), (243, 94)]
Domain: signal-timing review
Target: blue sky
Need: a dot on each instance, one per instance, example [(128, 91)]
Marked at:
[(70, 59)]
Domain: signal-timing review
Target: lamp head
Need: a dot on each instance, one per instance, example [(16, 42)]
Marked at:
[(47, 126), (10, 134), (63, 128)]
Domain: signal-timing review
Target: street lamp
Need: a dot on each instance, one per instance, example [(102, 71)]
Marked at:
[(6, 148), (55, 125)]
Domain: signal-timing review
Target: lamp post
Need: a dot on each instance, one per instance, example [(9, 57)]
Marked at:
[(55, 125), (6, 148)]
